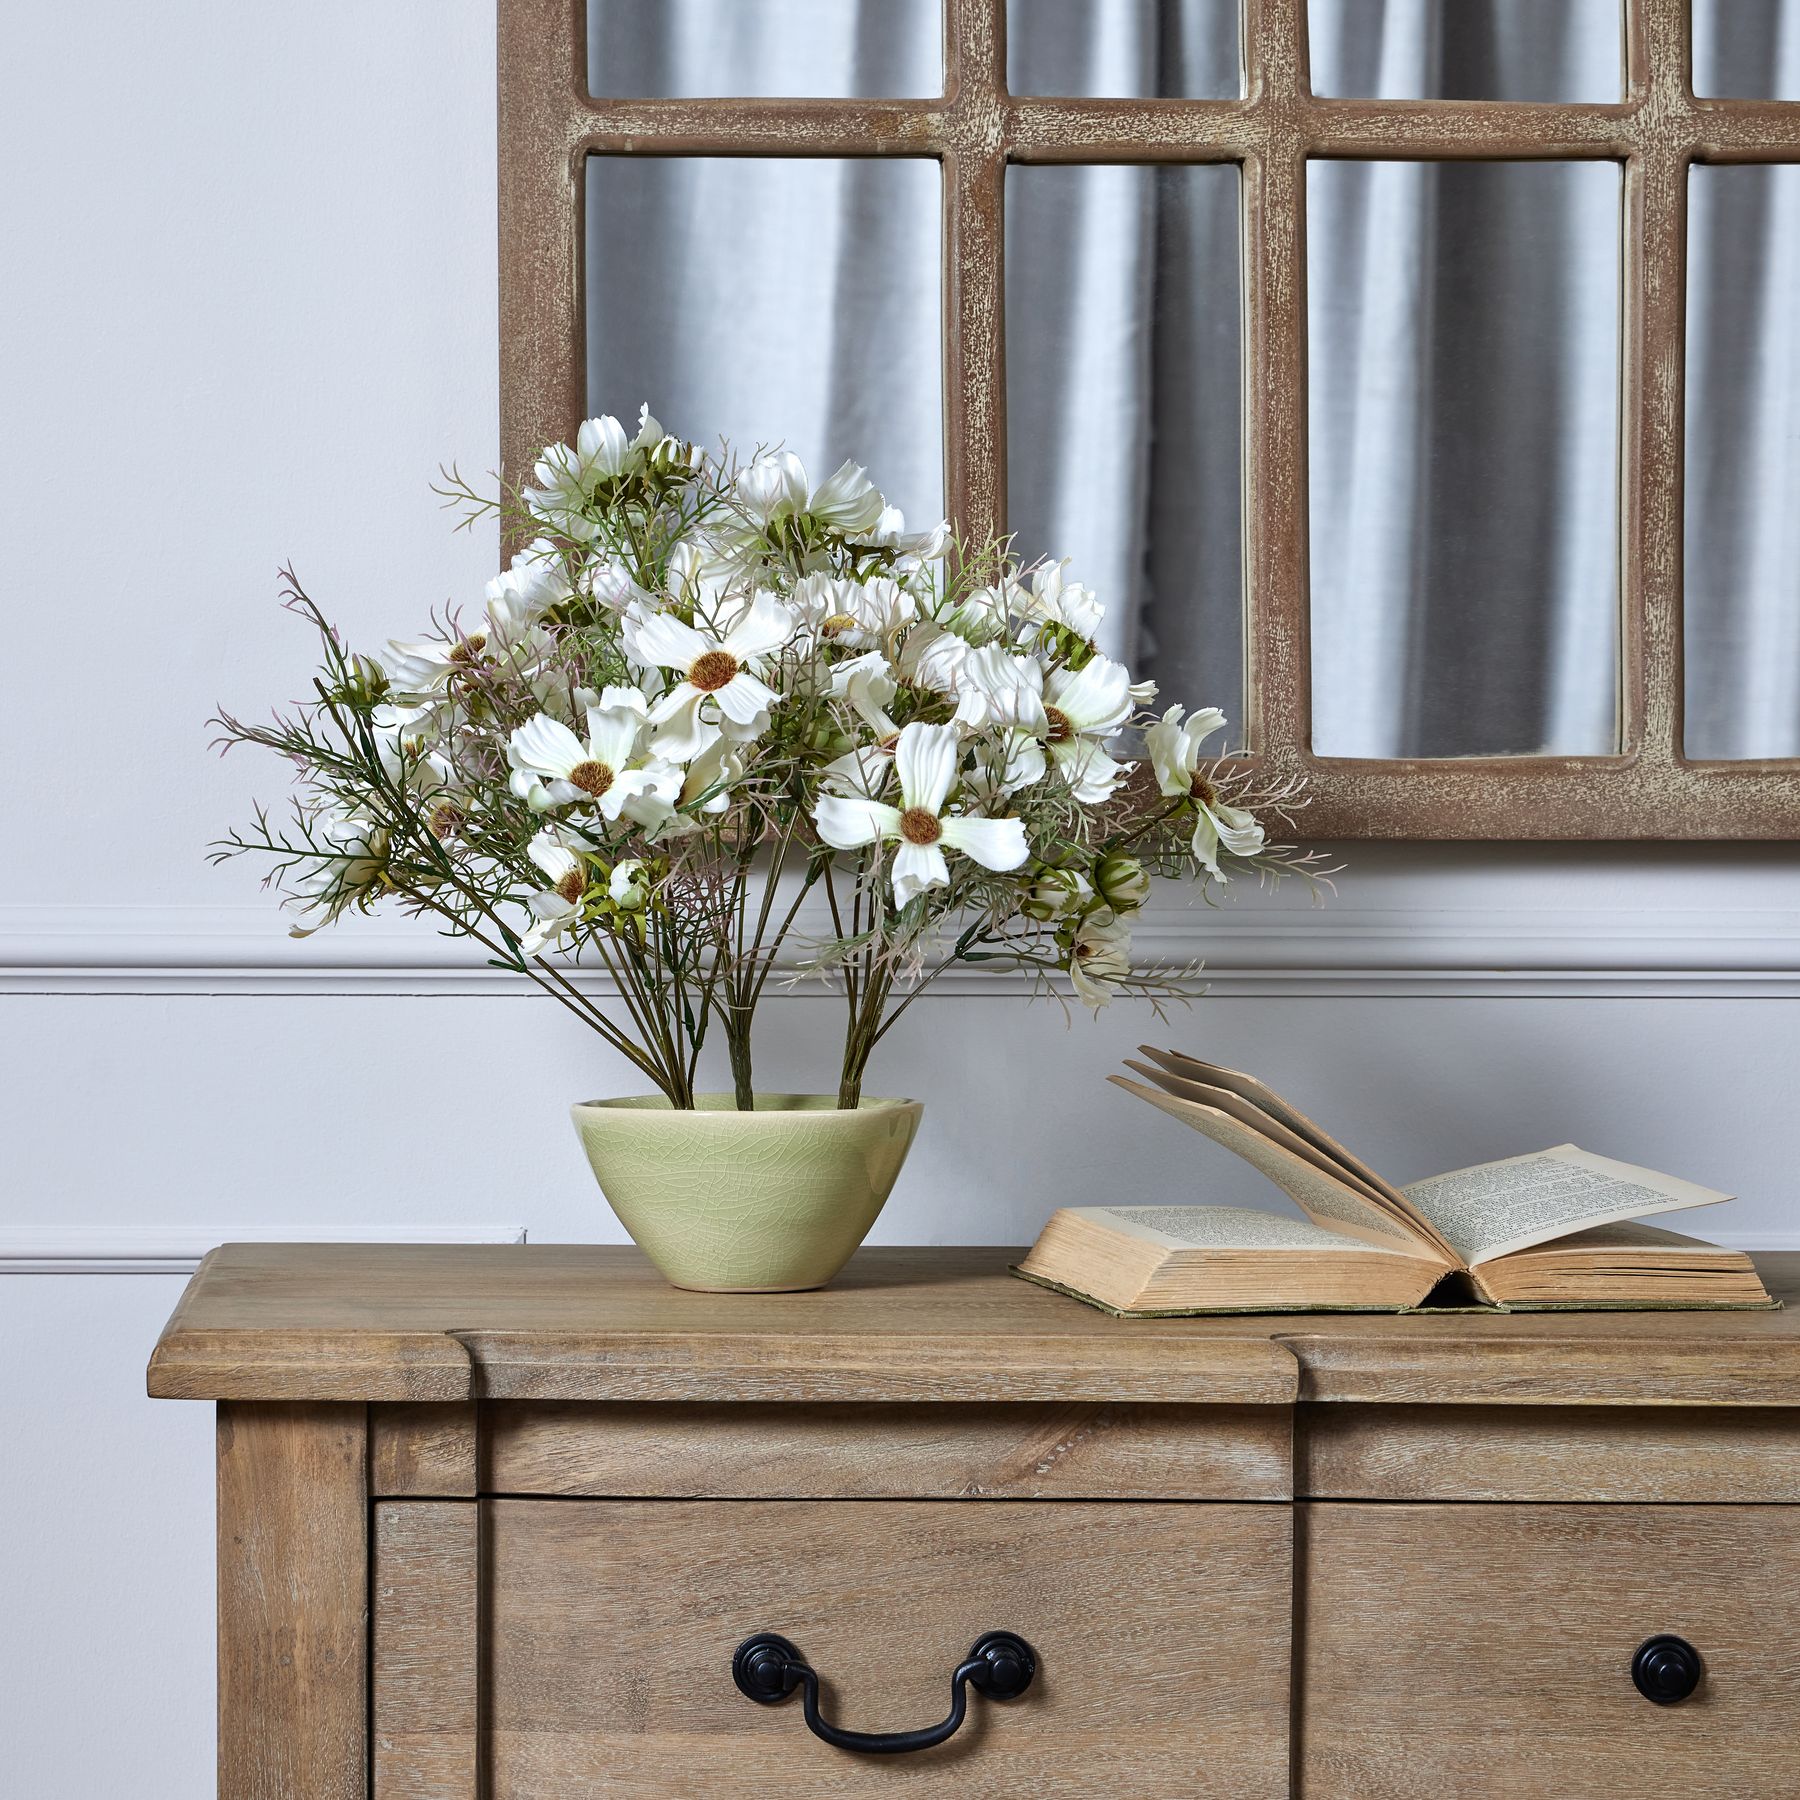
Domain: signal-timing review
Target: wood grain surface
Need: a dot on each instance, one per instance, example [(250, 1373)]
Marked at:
[(424, 1681), (1162, 1634), (1572, 1453), (586, 1322), (950, 1451), (293, 1603), (1486, 1651), (423, 1449)]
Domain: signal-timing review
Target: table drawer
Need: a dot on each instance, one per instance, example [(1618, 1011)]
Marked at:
[(1161, 1634), (1487, 1650)]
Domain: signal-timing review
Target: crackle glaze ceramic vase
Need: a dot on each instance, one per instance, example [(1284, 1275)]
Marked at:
[(763, 1202)]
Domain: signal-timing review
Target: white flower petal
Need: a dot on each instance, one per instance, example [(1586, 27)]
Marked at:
[(546, 744), (766, 624), (916, 868), (847, 822), (994, 843), (926, 757), (660, 640)]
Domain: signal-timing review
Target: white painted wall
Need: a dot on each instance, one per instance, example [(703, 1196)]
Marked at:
[(247, 307)]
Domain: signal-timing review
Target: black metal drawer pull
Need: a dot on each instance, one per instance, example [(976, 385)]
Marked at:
[(1666, 1669), (768, 1668)]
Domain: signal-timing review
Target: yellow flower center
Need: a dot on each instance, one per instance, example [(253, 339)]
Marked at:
[(836, 625), (446, 820), (571, 886), (592, 778), (467, 649), (712, 670), (1060, 729), (920, 827), (1202, 789)]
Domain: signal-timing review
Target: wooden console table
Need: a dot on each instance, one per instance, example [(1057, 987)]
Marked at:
[(496, 1520)]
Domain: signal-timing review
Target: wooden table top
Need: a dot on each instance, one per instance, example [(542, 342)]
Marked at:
[(596, 1322)]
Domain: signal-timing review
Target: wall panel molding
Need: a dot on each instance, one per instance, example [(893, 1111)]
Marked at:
[(177, 1249), (1517, 950)]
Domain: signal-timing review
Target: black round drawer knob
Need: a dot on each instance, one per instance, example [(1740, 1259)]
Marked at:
[(1666, 1669)]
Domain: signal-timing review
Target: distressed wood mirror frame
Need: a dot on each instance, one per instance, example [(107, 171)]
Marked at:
[(549, 126)]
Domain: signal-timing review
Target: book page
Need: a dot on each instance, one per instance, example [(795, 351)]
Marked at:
[(1249, 1114), (1325, 1199), (1283, 1112), (1219, 1228), (1498, 1207)]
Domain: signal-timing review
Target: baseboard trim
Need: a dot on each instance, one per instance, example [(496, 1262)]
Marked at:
[(1297, 951), (177, 1250)]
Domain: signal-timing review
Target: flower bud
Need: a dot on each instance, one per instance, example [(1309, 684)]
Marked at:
[(629, 887), (1053, 893), (1122, 881)]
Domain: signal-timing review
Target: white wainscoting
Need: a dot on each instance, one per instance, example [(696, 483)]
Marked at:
[(1348, 950), (177, 1249)]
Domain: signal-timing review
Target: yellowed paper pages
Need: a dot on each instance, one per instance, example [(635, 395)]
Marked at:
[(1495, 1208), (1324, 1198), (1218, 1228)]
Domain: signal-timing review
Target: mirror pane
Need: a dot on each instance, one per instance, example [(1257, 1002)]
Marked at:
[(1467, 49), (1463, 324), (1124, 49), (1124, 401), (1747, 49), (699, 303), (764, 48), (1742, 537)]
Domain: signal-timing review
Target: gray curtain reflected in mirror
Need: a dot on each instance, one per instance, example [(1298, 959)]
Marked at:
[(1123, 397), (1124, 49), (1464, 348), (1747, 49), (774, 301), (857, 49), (1463, 439), (1542, 50)]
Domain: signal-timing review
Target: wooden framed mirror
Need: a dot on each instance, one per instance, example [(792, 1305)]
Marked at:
[(1484, 637)]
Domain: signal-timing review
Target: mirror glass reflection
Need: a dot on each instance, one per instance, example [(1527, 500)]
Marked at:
[(1124, 49), (1540, 50), (1463, 347), (1741, 608), (1747, 49), (664, 49), (1124, 408), (697, 304)]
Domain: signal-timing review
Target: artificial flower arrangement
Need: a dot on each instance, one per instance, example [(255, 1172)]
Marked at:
[(710, 714)]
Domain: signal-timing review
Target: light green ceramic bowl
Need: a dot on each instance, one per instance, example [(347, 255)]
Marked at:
[(763, 1202)]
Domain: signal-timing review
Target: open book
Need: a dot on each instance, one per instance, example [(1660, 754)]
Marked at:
[(1553, 1229)]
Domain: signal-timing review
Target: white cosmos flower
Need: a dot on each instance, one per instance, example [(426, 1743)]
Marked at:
[(348, 874), (719, 673), (1100, 957), (925, 759), (425, 670), (853, 615), (933, 657), (1002, 697), (1174, 746), (607, 581), (773, 488), (551, 766), (1084, 707), (556, 908), (569, 476), (1055, 600), (520, 596), (889, 533), (868, 684)]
